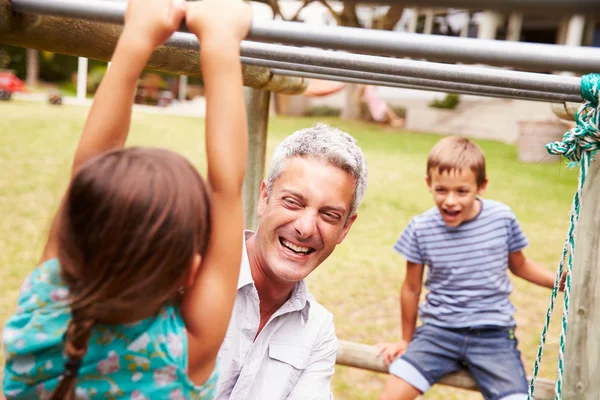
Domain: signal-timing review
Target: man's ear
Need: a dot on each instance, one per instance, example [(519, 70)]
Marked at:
[(262, 200), (346, 228)]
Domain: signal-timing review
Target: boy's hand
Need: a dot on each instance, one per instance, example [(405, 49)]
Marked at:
[(220, 19), (391, 351), (153, 21), (563, 280)]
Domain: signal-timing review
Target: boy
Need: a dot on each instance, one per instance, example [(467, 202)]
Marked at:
[(467, 243)]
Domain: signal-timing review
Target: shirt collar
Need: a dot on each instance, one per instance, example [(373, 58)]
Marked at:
[(299, 299)]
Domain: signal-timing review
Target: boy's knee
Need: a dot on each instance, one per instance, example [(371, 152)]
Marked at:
[(398, 389)]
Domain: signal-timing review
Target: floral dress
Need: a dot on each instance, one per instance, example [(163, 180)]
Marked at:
[(143, 360)]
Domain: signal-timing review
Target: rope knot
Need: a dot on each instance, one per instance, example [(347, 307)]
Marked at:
[(585, 136)]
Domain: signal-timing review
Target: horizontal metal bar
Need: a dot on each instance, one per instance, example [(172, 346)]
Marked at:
[(439, 48), (493, 92), (417, 69), (434, 47), (373, 64)]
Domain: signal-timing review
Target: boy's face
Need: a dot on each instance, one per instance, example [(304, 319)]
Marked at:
[(455, 193)]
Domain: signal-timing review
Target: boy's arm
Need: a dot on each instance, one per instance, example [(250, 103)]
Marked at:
[(409, 305), (409, 298), (208, 303), (529, 270)]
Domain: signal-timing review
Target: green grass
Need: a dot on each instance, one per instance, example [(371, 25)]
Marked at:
[(360, 282)]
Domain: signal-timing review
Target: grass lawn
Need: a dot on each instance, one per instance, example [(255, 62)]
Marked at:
[(360, 282)]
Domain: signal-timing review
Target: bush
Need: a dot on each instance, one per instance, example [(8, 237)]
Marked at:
[(323, 111), (449, 102)]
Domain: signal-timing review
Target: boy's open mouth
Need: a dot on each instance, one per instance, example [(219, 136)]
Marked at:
[(296, 249), (451, 213)]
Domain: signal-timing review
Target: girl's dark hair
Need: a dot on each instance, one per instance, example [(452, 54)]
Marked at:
[(127, 231)]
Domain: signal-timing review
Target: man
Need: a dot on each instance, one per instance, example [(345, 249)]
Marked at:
[(281, 343)]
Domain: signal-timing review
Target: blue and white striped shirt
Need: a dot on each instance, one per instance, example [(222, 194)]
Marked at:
[(466, 265)]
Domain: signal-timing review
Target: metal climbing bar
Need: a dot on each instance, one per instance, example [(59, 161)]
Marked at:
[(299, 58), (317, 72), (438, 48)]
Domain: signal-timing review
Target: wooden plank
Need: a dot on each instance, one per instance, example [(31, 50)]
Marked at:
[(363, 356), (582, 350)]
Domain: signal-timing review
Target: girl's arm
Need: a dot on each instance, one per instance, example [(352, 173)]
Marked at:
[(207, 306), (148, 23)]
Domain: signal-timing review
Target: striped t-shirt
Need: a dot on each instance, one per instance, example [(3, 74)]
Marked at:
[(467, 265)]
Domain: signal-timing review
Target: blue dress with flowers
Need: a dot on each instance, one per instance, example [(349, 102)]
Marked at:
[(144, 360)]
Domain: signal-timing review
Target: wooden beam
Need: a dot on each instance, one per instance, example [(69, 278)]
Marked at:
[(365, 357), (582, 350), (97, 41)]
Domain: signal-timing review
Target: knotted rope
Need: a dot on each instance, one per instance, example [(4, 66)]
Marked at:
[(579, 145)]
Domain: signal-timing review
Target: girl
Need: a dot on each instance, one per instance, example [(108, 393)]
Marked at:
[(138, 278)]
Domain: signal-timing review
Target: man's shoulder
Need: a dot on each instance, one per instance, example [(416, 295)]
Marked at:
[(318, 314)]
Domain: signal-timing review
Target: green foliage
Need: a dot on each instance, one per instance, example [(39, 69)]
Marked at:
[(323, 111), (449, 102)]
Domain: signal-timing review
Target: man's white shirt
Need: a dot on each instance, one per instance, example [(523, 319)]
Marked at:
[(293, 357)]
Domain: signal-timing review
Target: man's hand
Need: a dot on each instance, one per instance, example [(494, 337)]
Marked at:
[(391, 351)]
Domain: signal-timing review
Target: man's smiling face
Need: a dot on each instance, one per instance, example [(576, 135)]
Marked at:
[(303, 218)]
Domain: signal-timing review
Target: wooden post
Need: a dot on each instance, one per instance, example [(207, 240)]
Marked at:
[(582, 350), (365, 357), (33, 67), (257, 111)]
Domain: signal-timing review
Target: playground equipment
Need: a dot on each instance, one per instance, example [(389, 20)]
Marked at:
[(72, 26)]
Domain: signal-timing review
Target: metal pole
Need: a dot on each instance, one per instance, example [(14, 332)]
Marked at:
[(410, 68), (310, 71), (479, 91), (82, 73), (439, 48), (257, 110), (582, 349)]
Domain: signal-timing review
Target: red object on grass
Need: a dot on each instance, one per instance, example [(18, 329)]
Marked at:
[(10, 83)]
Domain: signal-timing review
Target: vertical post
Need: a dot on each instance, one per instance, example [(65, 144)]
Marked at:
[(515, 24), (33, 67), (575, 30), (428, 30), (413, 21), (574, 35), (82, 71), (488, 25), (464, 31), (257, 110), (183, 82), (582, 349)]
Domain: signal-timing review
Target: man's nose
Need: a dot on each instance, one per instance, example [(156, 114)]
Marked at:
[(306, 224)]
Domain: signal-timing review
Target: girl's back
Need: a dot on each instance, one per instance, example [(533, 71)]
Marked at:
[(147, 359)]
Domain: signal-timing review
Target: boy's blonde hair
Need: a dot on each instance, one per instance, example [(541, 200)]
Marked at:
[(455, 153)]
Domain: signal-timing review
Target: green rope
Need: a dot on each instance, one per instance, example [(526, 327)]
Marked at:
[(578, 146)]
